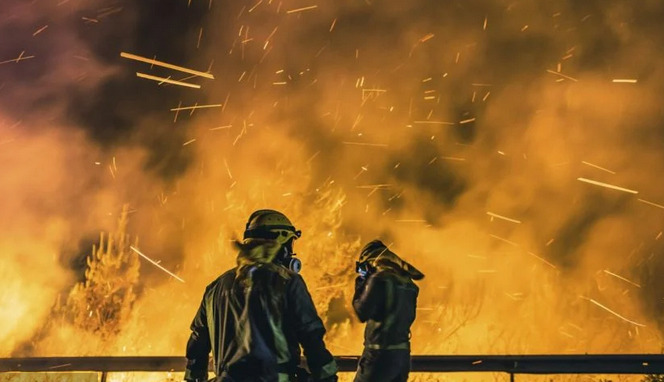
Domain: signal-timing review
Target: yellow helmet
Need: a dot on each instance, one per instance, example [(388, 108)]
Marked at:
[(270, 224)]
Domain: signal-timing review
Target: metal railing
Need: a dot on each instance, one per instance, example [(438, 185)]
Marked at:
[(511, 364)]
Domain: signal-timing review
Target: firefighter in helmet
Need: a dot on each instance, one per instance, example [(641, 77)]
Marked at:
[(255, 317), (385, 298)]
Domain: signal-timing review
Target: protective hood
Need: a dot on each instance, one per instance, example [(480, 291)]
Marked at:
[(380, 257), (256, 251)]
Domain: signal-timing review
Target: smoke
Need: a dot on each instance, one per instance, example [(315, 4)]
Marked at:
[(40, 165), (60, 185), (435, 118), (454, 131)]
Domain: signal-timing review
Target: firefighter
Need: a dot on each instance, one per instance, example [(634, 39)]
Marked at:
[(385, 298), (255, 317)]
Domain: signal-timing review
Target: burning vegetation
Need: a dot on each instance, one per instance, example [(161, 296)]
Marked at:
[(103, 302), (94, 311)]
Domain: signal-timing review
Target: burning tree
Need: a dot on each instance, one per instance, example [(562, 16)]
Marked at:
[(101, 303)]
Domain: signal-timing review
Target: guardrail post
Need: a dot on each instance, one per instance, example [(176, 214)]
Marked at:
[(511, 377), (104, 375)]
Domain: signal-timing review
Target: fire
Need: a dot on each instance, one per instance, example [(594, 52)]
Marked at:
[(511, 152)]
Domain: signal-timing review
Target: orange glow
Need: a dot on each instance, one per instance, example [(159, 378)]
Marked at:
[(389, 135)]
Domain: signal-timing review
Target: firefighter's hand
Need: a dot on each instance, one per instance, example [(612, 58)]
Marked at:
[(360, 282)]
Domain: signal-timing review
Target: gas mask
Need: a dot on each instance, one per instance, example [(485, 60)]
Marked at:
[(287, 259)]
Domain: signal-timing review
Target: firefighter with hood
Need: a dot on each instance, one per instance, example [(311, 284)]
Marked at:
[(385, 298), (255, 317)]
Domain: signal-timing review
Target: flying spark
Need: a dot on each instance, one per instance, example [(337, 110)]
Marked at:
[(374, 90), (220, 127), (167, 80), (427, 37), (365, 144), (228, 169), (651, 203), (156, 264), (62, 365), (20, 57), (612, 312), (373, 186), (622, 278), (434, 123), (503, 217), (598, 167), (562, 75), (200, 35), (302, 9), (542, 260), (38, 31), (196, 107), (166, 65), (607, 185), (255, 6), (504, 240)]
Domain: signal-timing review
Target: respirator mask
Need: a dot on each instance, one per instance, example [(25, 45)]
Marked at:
[(287, 258)]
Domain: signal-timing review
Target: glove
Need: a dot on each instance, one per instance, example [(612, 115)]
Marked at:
[(359, 282), (362, 269), (362, 272)]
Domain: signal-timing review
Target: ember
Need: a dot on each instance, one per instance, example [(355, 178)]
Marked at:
[(510, 149)]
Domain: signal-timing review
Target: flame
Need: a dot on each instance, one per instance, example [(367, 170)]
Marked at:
[(457, 136)]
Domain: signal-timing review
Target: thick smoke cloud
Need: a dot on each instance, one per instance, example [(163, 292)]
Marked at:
[(416, 121)]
